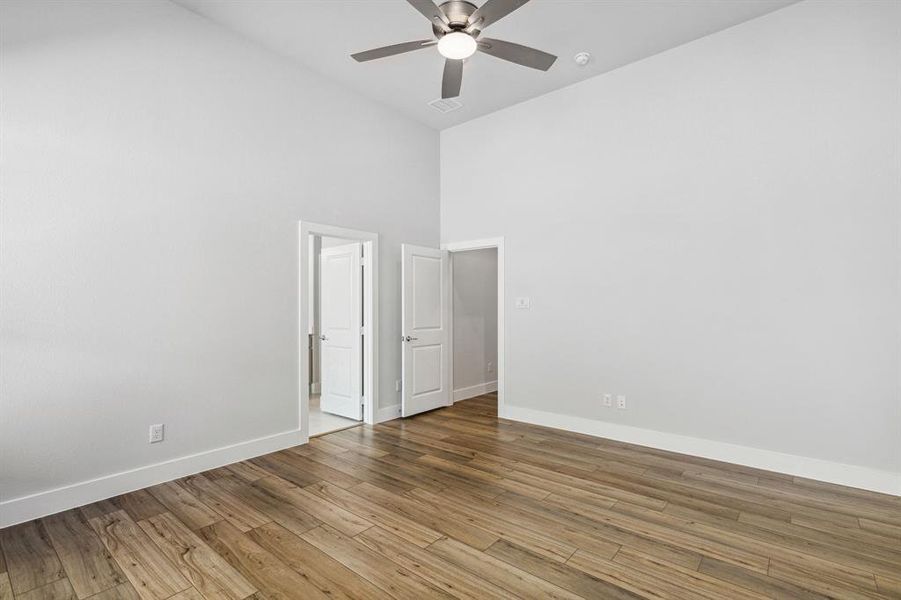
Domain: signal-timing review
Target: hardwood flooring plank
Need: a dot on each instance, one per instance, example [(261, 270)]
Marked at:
[(260, 567), (6, 588), (650, 527), (273, 503), (60, 589), (373, 473), (454, 580), (88, 564), (822, 581), (188, 594), (139, 505), (605, 534), (889, 586), (288, 471), (381, 571), (817, 543), (208, 572), (849, 534), (248, 471), (148, 570), (320, 471), (518, 582), (793, 550), (690, 579), (322, 510), (512, 508), (184, 505), (98, 509), (123, 591), (31, 560), (545, 544), (565, 576), (240, 514), (638, 582), (879, 528), (757, 582), (466, 532), (373, 512), (326, 573)]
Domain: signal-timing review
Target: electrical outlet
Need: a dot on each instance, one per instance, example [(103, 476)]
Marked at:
[(621, 402), (156, 433), (397, 385), (608, 400), (490, 367)]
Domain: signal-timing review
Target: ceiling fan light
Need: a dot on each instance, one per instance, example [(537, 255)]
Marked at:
[(457, 45)]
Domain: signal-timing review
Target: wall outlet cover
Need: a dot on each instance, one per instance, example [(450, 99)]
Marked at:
[(621, 402), (157, 432), (608, 400)]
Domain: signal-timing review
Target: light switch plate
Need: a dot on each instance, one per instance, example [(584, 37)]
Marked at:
[(524, 303)]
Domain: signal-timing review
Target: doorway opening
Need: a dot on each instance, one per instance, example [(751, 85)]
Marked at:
[(477, 315), (337, 328)]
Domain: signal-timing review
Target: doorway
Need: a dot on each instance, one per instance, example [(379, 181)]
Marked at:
[(477, 316), (337, 327), (474, 307)]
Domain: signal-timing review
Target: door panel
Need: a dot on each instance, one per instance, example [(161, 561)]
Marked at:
[(341, 320), (426, 362)]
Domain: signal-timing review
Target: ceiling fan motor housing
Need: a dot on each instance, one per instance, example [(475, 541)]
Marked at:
[(458, 12)]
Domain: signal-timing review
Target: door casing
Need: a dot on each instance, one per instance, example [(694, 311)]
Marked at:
[(370, 243)]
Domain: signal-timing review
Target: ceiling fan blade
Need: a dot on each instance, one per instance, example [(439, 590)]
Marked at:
[(453, 78), (517, 53), (392, 50), (431, 12), (493, 10)]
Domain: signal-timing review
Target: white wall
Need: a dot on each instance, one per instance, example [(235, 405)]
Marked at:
[(475, 322), (712, 232), (155, 167)]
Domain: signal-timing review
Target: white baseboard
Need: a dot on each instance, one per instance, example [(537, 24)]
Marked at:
[(19, 510), (475, 390), (388, 413), (800, 466)]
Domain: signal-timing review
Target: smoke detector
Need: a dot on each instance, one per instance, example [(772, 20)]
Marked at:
[(582, 58)]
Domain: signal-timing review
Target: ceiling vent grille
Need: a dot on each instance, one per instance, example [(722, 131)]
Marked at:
[(446, 105)]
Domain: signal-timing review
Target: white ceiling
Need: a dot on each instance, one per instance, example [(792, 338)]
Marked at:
[(321, 34)]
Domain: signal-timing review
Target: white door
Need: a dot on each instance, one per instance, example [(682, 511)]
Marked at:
[(341, 330), (425, 321)]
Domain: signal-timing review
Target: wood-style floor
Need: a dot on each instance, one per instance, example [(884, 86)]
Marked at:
[(457, 503)]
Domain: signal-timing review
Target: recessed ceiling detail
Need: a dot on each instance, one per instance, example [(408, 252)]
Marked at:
[(616, 32)]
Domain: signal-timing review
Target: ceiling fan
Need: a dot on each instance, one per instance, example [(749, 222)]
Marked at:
[(457, 25)]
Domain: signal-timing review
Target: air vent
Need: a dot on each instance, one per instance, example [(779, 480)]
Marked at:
[(445, 105)]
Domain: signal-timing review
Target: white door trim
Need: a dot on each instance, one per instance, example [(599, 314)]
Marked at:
[(497, 242), (370, 243)]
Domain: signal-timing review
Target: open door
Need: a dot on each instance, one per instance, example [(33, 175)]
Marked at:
[(426, 329), (341, 330)]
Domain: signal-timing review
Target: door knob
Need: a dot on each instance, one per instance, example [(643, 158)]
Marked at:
[(323, 338), (410, 339)]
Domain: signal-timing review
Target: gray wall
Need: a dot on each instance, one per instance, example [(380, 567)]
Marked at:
[(712, 232), (155, 167), (475, 317)]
